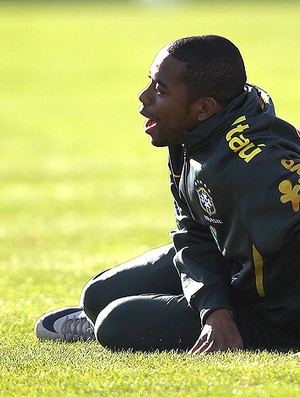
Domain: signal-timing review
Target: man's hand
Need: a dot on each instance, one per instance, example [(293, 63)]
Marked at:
[(220, 333)]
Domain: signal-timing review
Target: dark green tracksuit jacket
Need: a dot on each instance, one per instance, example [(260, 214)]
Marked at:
[(236, 187)]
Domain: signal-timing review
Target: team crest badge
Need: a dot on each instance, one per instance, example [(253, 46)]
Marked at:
[(206, 200)]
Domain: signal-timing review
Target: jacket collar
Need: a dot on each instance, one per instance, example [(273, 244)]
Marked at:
[(248, 101)]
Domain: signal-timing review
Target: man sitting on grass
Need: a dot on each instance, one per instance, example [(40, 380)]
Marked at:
[(231, 277)]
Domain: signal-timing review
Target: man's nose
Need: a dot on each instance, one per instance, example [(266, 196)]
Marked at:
[(145, 96)]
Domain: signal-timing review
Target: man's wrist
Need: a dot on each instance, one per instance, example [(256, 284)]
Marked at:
[(219, 313), (205, 313)]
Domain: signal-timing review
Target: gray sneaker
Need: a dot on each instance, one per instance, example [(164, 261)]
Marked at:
[(68, 324)]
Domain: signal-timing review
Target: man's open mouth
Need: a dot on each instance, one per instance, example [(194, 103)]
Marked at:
[(150, 123)]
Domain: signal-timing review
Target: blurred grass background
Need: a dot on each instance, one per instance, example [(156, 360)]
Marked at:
[(81, 187)]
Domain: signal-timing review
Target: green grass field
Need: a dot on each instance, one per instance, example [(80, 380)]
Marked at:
[(82, 189)]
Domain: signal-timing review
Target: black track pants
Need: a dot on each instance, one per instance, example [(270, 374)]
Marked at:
[(140, 305)]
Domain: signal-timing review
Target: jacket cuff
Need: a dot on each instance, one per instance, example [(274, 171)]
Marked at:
[(206, 302)]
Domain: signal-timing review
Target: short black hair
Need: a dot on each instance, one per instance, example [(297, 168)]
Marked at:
[(214, 67)]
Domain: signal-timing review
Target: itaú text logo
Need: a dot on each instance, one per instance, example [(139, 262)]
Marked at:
[(239, 143)]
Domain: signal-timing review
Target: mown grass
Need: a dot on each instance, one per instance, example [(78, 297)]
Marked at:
[(82, 370), (81, 188)]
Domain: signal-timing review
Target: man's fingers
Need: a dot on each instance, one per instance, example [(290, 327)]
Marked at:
[(205, 347)]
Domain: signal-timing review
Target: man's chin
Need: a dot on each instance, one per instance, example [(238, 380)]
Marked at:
[(157, 143)]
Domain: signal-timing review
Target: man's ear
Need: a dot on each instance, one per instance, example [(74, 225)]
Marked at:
[(207, 107)]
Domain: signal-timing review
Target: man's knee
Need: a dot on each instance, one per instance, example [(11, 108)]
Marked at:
[(94, 297), (113, 326)]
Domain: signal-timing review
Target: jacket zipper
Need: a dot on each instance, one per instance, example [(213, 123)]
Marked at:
[(185, 178)]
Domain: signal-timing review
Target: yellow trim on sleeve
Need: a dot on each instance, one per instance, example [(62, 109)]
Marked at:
[(259, 274)]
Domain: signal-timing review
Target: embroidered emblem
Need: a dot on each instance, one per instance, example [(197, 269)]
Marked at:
[(290, 193), (205, 199)]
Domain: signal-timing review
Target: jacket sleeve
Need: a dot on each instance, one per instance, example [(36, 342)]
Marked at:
[(273, 184), (273, 223), (204, 272)]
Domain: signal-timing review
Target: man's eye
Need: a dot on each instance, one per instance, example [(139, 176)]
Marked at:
[(158, 89)]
